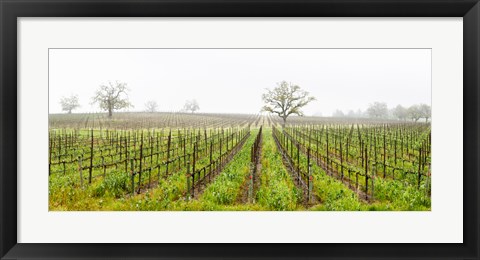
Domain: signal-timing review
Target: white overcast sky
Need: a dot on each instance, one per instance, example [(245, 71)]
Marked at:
[(233, 80)]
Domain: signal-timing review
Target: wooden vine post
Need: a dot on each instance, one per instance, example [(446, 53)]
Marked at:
[(309, 176), (211, 160), (141, 165), (50, 154), (366, 174), (193, 168), (419, 167), (250, 184), (168, 152), (341, 162), (80, 170), (132, 174), (298, 163), (188, 182), (384, 153), (91, 159), (395, 159), (64, 169), (104, 167), (328, 172)]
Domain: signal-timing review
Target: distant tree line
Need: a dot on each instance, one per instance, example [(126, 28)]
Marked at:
[(380, 110), (114, 96)]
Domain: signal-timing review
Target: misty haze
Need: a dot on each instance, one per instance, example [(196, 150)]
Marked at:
[(240, 129)]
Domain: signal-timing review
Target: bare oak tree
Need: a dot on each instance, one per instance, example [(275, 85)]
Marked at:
[(151, 106), (414, 113), (69, 103), (286, 99), (191, 105), (112, 97), (400, 112), (426, 111), (378, 110)]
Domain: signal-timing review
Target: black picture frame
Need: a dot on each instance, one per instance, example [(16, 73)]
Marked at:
[(10, 10)]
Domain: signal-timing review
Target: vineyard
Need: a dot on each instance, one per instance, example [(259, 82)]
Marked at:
[(192, 161)]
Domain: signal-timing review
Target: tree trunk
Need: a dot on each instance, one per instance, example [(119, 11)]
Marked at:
[(110, 112), (284, 121)]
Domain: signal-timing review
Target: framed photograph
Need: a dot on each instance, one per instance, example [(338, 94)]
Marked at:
[(225, 129)]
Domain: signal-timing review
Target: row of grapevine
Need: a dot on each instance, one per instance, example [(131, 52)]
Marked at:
[(197, 176), (358, 155), (255, 160), (154, 154), (301, 172)]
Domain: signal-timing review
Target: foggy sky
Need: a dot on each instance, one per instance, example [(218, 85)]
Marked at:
[(233, 80)]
